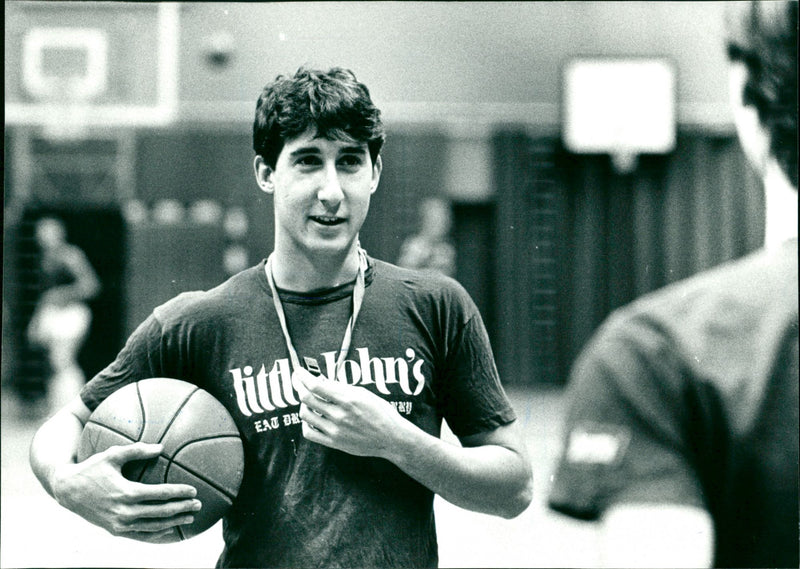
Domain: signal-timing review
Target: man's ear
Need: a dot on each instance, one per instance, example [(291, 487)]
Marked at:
[(377, 168), (263, 175)]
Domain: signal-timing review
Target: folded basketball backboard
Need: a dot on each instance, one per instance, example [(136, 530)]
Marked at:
[(622, 106), (86, 64)]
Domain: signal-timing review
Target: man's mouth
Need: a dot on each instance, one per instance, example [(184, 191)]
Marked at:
[(327, 219)]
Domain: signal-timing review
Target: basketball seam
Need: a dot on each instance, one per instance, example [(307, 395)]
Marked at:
[(141, 407), (166, 429), (176, 413), (171, 459), (112, 429), (202, 477), (123, 435)]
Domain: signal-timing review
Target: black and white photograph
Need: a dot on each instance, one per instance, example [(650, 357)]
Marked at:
[(400, 284)]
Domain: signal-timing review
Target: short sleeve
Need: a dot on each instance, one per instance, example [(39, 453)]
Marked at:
[(472, 399), (139, 359), (625, 428)]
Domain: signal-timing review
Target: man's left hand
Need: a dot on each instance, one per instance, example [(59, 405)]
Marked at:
[(346, 417)]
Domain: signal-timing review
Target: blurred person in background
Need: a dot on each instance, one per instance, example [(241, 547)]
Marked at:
[(431, 249), (352, 483), (62, 317), (681, 431)]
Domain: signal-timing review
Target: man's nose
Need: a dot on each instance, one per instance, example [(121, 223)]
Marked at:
[(330, 192)]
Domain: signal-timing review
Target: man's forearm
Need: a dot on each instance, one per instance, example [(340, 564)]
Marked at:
[(55, 444), (490, 478)]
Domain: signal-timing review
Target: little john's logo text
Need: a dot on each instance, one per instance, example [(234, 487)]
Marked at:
[(264, 391)]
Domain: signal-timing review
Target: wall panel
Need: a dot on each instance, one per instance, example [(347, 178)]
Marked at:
[(620, 236)]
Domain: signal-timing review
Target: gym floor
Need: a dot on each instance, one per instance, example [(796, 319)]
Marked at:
[(36, 532)]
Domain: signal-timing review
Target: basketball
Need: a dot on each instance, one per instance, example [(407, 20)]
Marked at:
[(202, 446)]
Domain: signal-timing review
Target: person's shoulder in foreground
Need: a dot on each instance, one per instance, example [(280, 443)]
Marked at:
[(682, 411), (733, 302), (686, 401)]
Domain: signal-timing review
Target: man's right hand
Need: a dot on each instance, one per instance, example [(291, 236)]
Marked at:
[(96, 490)]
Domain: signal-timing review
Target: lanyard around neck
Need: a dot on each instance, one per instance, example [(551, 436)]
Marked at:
[(358, 297)]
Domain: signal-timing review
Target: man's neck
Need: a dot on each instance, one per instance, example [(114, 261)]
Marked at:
[(780, 205), (301, 273)]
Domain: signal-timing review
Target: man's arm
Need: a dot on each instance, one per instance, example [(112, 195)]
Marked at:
[(490, 473), (95, 488), (657, 535)]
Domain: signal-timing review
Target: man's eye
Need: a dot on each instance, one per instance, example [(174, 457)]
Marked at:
[(308, 161), (351, 161)]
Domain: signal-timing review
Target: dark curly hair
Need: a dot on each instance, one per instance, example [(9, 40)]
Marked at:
[(763, 36), (333, 102)]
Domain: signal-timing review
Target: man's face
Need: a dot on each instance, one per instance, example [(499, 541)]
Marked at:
[(322, 190)]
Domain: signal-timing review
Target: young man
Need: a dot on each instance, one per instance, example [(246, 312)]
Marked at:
[(338, 369), (430, 249), (682, 424), (62, 317)]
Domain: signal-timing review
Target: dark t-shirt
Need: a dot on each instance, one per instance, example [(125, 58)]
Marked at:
[(690, 396), (419, 343)]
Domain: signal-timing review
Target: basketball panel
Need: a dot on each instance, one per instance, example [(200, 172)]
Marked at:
[(153, 471), (219, 462), (164, 400), (202, 417), (122, 412), (97, 438), (215, 503)]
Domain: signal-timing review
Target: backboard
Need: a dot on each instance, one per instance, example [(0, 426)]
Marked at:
[(112, 64), (622, 106)]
